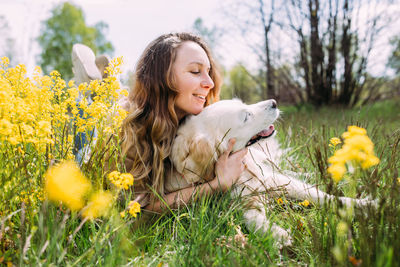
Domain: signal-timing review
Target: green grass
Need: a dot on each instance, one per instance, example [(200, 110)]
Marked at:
[(202, 233)]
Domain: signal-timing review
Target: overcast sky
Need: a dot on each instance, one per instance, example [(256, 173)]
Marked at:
[(134, 23)]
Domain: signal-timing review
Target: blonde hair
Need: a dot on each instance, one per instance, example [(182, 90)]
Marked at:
[(149, 129)]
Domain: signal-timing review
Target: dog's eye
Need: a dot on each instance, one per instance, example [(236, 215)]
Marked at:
[(246, 116)]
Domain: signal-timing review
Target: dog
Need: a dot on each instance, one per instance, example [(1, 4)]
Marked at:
[(202, 138)]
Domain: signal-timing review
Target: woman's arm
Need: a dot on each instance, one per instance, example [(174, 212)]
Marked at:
[(228, 169)]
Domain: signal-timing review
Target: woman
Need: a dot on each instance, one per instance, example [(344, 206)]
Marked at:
[(175, 76)]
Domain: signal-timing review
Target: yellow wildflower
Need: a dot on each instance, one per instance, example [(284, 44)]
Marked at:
[(44, 128), (122, 214), (71, 83), (6, 127), (305, 203), (334, 141), (67, 184), (121, 181), (99, 205), (55, 73), (134, 208), (357, 148), (354, 130), (370, 161), (5, 61), (124, 92), (126, 180), (337, 171)]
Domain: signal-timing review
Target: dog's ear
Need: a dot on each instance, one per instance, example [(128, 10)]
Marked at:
[(180, 151), (201, 151), (194, 157)]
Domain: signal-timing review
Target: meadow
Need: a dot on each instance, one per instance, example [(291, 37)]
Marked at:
[(41, 225)]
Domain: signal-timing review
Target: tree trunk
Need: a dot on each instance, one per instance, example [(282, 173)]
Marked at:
[(270, 90), (317, 56)]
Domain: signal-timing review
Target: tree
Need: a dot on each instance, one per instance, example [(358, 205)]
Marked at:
[(250, 19), (64, 28), (394, 59), (210, 35), (241, 85), (334, 48)]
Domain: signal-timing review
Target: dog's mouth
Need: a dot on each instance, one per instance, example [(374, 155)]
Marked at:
[(261, 135)]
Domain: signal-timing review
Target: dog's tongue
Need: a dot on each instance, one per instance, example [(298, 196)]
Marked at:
[(267, 132)]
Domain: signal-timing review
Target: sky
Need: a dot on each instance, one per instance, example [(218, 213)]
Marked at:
[(134, 23)]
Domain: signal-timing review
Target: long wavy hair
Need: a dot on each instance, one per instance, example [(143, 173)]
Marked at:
[(149, 129)]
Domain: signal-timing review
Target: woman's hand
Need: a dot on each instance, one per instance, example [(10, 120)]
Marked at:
[(229, 167)]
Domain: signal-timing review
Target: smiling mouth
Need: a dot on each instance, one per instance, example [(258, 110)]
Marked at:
[(202, 97), (262, 135)]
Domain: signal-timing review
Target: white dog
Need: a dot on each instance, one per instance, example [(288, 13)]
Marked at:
[(203, 138)]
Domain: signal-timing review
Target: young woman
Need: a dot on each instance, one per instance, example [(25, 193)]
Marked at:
[(175, 76)]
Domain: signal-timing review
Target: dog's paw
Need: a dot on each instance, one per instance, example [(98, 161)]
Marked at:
[(282, 236)]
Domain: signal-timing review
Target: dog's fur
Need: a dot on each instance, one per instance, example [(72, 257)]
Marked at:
[(203, 138)]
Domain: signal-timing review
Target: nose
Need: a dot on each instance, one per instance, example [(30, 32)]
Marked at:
[(207, 82), (273, 103)]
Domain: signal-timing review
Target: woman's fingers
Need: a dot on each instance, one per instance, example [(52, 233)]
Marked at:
[(241, 153), (231, 143)]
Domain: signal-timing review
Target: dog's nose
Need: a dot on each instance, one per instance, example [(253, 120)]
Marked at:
[(273, 105)]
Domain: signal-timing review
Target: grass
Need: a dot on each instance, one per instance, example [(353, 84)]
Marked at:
[(203, 233)]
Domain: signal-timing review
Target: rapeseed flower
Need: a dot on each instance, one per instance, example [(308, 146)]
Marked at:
[(99, 205), (65, 183)]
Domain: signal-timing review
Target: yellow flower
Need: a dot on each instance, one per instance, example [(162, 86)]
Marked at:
[(305, 203), (279, 201), (334, 142), (99, 205), (126, 180), (124, 92), (55, 73), (44, 128), (122, 214), (5, 127), (65, 183), (357, 148), (5, 61), (337, 171), (134, 208), (71, 83), (121, 181), (354, 130)]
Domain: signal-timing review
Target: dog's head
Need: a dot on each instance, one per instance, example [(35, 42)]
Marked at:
[(202, 138)]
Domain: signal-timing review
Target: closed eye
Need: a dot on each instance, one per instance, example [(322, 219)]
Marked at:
[(247, 116)]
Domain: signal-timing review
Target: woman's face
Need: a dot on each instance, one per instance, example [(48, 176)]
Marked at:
[(192, 80)]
